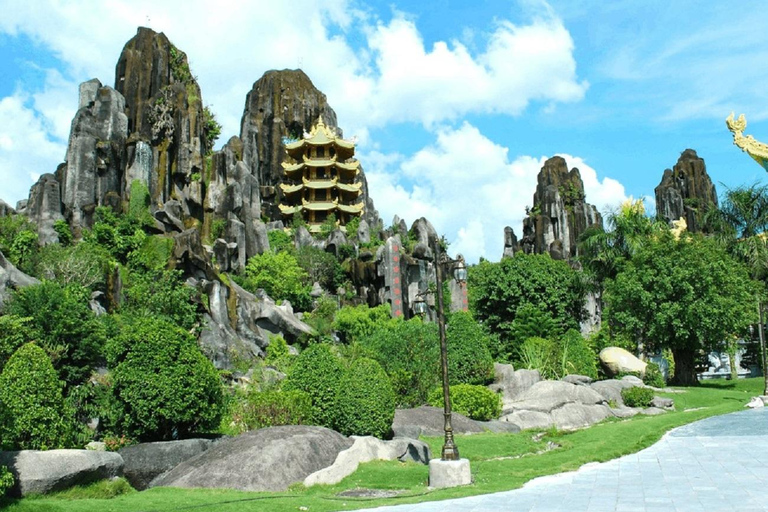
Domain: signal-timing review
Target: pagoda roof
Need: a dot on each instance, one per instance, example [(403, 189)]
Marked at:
[(320, 205), (290, 210), (322, 135), (291, 189), (349, 187), (351, 208)]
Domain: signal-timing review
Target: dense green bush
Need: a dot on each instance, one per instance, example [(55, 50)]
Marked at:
[(576, 356), (354, 323), (163, 387), (317, 371), (321, 267), (653, 376), (280, 276), (532, 321), (85, 264), (365, 402), (476, 402), (280, 241), (64, 325), (64, 232), (6, 481), (256, 410), (409, 351), (278, 355), (33, 415), (14, 332), (637, 396), (160, 294), (469, 360), (321, 318), (119, 235), (152, 255)]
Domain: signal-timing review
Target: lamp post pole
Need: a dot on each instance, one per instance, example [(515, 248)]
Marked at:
[(450, 451)]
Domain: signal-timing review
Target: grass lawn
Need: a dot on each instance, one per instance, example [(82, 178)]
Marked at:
[(499, 462)]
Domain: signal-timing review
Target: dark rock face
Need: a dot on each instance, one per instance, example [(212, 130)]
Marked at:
[(41, 472), (6, 209), (146, 461), (560, 213), (11, 279), (686, 191), (96, 153), (268, 459), (44, 207), (510, 243), (164, 108)]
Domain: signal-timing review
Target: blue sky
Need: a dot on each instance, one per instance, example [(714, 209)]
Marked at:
[(455, 104)]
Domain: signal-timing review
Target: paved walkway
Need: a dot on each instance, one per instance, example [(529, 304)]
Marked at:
[(716, 464)]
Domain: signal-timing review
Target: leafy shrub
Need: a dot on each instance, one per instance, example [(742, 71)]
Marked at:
[(280, 241), (23, 251), (6, 481), (33, 415), (365, 402), (152, 255), (637, 396), (84, 264), (278, 355), (576, 356), (117, 443), (321, 318), (354, 323), (163, 387), (64, 325), (88, 400), (469, 360), (160, 294), (10, 227), (532, 321), (63, 231), (119, 235), (317, 372), (14, 332), (409, 351), (539, 354), (280, 276), (347, 251), (476, 402), (653, 376), (321, 267)]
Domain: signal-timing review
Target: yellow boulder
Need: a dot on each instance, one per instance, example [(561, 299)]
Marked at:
[(616, 360)]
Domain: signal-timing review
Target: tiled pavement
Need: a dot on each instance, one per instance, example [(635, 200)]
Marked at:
[(716, 464)]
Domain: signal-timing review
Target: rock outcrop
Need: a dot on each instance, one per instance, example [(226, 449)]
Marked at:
[(11, 279), (146, 461), (268, 459), (44, 207), (560, 213), (41, 472), (686, 191)]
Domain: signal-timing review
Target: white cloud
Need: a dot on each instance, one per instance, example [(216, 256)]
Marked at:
[(25, 151), (466, 185)]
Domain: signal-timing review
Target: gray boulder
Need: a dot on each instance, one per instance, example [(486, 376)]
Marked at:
[(547, 395), (575, 415), (268, 459), (12, 278), (335, 240), (429, 421), (363, 232), (611, 389), (303, 238), (579, 380), (662, 403), (6, 209), (529, 419), (44, 208), (511, 384), (146, 461), (41, 472)]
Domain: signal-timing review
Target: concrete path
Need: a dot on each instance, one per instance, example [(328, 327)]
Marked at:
[(716, 464)]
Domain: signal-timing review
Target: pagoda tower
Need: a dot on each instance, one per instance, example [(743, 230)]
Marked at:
[(320, 179)]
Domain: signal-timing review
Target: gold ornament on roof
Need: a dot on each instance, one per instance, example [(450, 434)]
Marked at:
[(754, 148)]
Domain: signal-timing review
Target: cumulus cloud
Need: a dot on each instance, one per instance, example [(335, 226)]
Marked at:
[(470, 189)]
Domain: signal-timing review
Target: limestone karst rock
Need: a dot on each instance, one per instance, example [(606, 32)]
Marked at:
[(686, 191), (560, 213), (44, 207), (511, 245), (284, 105), (95, 161)]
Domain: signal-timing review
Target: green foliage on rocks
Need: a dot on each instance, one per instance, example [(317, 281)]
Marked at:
[(280, 241), (476, 402), (637, 396), (163, 387), (160, 294), (653, 376), (15, 331), (321, 267), (280, 276), (64, 232), (498, 290), (6, 481), (211, 129), (469, 360), (64, 325), (259, 409), (353, 323), (576, 355), (33, 415), (317, 371), (365, 402), (18, 242)]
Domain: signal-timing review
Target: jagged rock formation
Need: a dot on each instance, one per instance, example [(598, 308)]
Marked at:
[(686, 191), (511, 246), (559, 214), (284, 105), (44, 207)]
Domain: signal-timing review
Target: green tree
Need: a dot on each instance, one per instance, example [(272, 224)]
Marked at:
[(685, 295), (280, 276), (469, 360), (15, 331), (365, 402), (353, 323), (317, 372), (64, 325), (33, 415), (497, 290), (321, 267), (163, 386), (160, 294)]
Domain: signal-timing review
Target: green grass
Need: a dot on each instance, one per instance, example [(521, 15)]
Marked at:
[(499, 462)]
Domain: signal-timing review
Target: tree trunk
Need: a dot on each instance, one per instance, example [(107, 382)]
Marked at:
[(685, 367)]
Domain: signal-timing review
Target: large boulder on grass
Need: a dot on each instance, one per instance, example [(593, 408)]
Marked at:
[(268, 459), (616, 360), (42, 472), (429, 421), (146, 461)]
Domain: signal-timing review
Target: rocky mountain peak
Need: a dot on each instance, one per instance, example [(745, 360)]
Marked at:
[(560, 213), (686, 191)]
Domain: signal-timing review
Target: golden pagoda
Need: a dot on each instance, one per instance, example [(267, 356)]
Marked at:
[(320, 178)]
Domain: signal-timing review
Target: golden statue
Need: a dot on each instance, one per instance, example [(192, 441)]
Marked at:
[(757, 150)]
